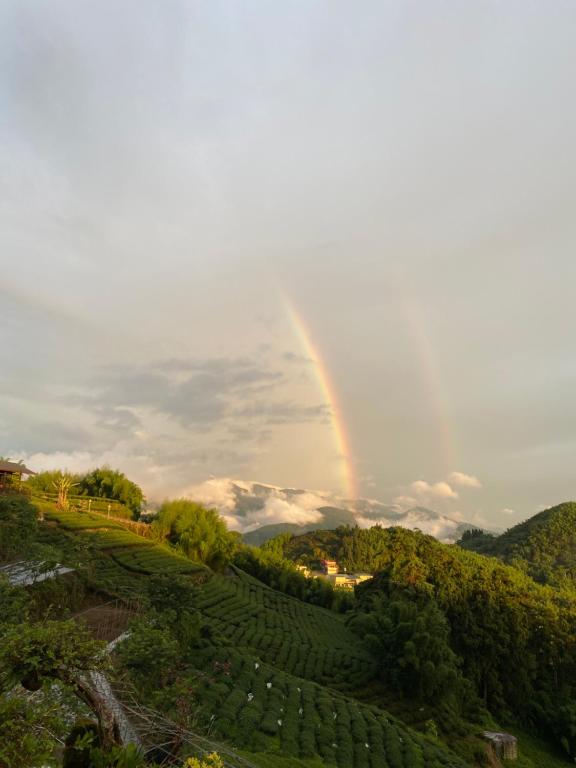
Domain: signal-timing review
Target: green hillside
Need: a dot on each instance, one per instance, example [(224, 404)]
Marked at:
[(267, 676), (544, 546), (440, 645), (302, 639), (513, 638)]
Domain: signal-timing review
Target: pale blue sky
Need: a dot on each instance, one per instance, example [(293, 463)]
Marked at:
[(403, 171)]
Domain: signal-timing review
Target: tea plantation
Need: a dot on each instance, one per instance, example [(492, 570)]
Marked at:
[(299, 638), (127, 549), (277, 681), (256, 707)]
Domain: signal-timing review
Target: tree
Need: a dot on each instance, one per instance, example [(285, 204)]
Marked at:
[(46, 482), (108, 483), (26, 731), (63, 485), (411, 642), (18, 524), (200, 533), (31, 654)]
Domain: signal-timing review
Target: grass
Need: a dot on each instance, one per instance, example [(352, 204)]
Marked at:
[(534, 752)]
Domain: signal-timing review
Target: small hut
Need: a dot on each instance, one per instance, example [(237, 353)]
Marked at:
[(504, 745), (11, 474)]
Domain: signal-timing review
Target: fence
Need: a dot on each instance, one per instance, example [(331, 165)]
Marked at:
[(108, 621), (89, 504)]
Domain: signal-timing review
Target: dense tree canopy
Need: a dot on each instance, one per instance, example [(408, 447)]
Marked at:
[(267, 565), (515, 638), (18, 523), (111, 484), (543, 546), (200, 533), (102, 483)]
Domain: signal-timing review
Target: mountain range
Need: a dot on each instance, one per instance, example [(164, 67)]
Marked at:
[(261, 511)]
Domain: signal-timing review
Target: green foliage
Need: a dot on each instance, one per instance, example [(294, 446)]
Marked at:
[(268, 566), (46, 482), (200, 533), (154, 559), (15, 602), (150, 653), (259, 708), (514, 637), (26, 729), (83, 750), (55, 650), (73, 520), (410, 639), (108, 483), (79, 743), (130, 551), (299, 638), (355, 549), (543, 546), (18, 525)]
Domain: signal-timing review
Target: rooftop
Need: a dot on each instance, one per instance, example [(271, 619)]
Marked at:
[(14, 466)]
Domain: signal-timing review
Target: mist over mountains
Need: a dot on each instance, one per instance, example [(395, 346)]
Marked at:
[(261, 511)]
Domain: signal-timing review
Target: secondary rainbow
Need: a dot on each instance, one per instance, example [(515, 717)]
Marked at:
[(330, 398)]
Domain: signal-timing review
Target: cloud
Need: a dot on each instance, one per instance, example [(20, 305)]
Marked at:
[(507, 511), (277, 510), (199, 393), (442, 528), (216, 492), (423, 492), (440, 490), (247, 505), (464, 480)]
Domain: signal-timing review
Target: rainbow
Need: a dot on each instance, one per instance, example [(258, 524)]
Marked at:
[(330, 398), (434, 387)]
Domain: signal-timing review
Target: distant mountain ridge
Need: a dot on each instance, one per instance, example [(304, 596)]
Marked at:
[(544, 545), (261, 511)]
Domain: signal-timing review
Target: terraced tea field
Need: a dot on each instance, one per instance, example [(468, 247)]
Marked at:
[(77, 521), (256, 707), (302, 639), (130, 551)]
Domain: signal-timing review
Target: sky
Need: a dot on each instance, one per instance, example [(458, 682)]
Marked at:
[(317, 244)]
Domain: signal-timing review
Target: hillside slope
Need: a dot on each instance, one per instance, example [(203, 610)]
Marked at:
[(544, 545), (514, 638), (273, 676)]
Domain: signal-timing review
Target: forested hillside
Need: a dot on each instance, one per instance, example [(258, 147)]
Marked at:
[(440, 645), (514, 640), (544, 546)]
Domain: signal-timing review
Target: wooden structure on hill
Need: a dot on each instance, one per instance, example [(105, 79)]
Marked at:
[(11, 474)]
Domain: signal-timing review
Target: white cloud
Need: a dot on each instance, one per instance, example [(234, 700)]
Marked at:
[(507, 511), (216, 492), (442, 528), (441, 490), (278, 510), (464, 480)]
